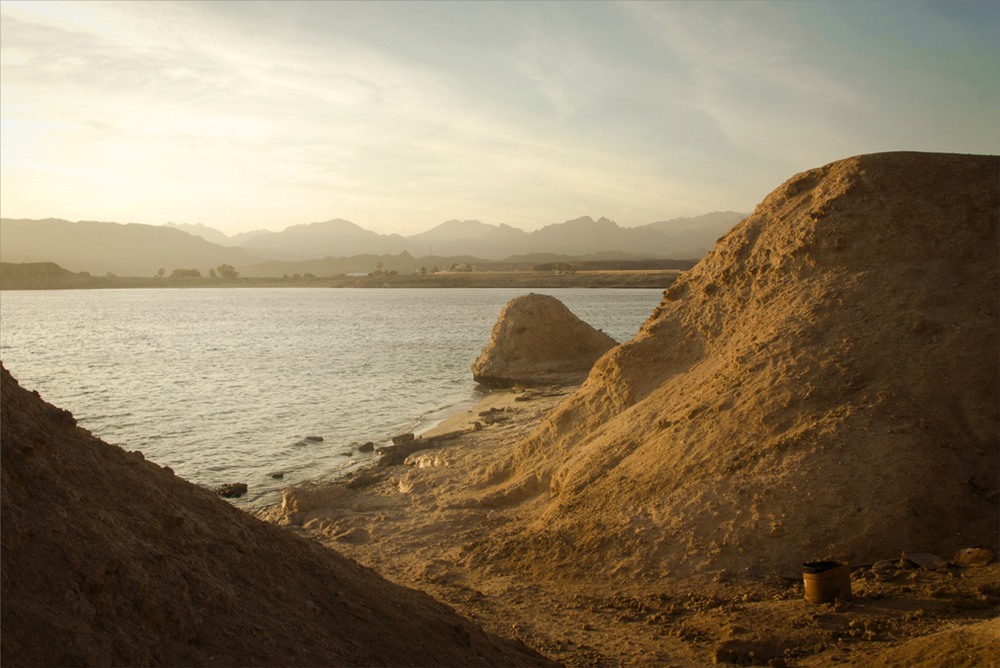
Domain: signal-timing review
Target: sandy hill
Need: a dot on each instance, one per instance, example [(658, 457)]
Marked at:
[(824, 384), (108, 559)]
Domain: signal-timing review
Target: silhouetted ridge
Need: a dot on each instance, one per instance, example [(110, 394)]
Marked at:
[(108, 559)]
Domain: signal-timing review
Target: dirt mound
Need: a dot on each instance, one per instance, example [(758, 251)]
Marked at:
[(824, 384), (537, 340), (108, 559)]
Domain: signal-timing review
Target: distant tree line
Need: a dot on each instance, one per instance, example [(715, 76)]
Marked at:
[(380, 270), (226, 271)]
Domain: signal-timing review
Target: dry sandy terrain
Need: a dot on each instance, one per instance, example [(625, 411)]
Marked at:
[(428, 523)]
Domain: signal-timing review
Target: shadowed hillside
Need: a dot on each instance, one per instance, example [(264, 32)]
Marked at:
[(108, 559)]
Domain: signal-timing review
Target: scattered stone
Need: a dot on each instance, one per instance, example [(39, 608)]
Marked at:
[(973, 557), (494, 415), (885, 571), (232, 490), (354, 535), (366, 447), (402, 438), (925, 560), (749, 653), (277, 475), (314, 439)]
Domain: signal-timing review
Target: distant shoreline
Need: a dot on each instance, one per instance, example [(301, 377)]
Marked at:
[(48, 276)]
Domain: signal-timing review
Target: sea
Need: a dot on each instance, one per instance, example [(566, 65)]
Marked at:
[(238, 385)]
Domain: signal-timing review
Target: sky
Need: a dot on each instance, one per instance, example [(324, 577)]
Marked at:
[(398, 116)]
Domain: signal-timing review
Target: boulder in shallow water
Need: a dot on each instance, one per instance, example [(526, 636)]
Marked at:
[(402, 439), (537, 340), (232, 490)]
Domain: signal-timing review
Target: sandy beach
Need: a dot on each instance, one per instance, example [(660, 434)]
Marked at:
[(427, 524)]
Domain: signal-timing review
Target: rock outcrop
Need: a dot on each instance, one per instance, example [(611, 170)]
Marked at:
[(108, 559), (537, 340), (824, 384)]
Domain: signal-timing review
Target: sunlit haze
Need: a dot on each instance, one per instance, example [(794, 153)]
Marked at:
[(399, 116)]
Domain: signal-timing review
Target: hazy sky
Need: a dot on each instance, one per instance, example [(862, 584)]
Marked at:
[(400, 115)]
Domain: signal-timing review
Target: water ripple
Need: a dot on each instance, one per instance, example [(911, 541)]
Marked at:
[(220, 384)]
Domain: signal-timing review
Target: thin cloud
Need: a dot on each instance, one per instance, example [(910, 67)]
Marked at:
[(393, 115)]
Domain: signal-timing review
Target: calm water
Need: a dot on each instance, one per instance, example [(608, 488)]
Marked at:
[(224, 385)]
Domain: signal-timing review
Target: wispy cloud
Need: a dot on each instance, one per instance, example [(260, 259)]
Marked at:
[(400, 115)]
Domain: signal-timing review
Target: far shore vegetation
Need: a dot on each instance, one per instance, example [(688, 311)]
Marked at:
[(617, 274)]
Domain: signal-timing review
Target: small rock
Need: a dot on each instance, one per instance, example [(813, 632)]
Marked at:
[(973, 557), (366, 447), (403, 438), (885, 570), (314, 439), (277, 475)]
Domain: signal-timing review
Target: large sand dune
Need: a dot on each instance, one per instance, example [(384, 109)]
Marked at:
[(823, 384)]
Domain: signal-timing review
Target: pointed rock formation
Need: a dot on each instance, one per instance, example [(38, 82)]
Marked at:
[(537, 340)]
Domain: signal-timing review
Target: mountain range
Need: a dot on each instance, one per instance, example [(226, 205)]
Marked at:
[(142, 250)]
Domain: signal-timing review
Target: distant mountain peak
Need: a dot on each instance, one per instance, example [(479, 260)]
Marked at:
[(586, 222), (201, 230), (334, 223), (28, 241)]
